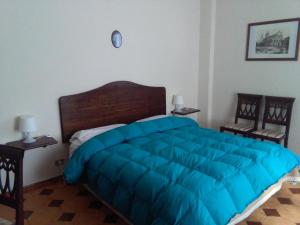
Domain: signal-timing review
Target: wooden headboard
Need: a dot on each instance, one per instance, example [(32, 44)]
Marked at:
[(116, 102)]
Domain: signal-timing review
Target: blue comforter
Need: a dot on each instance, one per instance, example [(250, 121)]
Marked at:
[(171, 171)]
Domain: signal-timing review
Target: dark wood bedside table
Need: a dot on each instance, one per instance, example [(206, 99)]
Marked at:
[(185, 111), (42, 141)]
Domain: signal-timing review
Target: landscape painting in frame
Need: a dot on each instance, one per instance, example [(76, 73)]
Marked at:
[(273, 40)]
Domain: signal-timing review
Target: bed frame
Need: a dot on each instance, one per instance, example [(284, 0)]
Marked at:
[(126, 102), (116, 102)]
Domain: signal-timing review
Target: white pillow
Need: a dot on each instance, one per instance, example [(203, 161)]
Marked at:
[(152, 118), (79, 137)]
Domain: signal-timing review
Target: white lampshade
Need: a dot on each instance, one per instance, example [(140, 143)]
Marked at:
[(178, 100), (27, 124)]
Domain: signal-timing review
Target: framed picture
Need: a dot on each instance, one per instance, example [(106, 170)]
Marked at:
[(273, 40)]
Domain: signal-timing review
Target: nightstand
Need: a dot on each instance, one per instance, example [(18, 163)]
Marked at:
[(42, 141), (185, 111)]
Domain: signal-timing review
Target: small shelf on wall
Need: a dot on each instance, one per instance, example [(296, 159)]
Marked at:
[(185, 111), (42, 141)]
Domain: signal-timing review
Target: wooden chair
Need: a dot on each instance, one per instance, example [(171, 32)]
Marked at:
[(278, 111), (248, 108), (11, 181)]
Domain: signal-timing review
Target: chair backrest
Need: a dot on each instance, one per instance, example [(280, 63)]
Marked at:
[(11, 179), (278, 110), (248, 107)]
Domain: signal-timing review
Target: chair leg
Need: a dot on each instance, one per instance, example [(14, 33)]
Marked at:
[(278, 142), (221, 129), (20, 215), (286, 142)]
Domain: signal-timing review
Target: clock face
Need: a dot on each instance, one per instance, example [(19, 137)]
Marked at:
[(116, 39)]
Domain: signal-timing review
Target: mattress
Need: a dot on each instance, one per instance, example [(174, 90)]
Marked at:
[(171, 171)]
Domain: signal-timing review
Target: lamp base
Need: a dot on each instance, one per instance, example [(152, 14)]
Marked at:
[(178, 107), (28, 139)]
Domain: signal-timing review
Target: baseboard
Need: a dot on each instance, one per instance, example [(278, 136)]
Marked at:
[(41, 184)]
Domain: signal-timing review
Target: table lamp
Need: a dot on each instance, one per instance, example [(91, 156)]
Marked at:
[(178, 102), (27, 125)]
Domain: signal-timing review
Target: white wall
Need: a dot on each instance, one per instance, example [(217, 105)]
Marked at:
[(204, 59), (53, 48), (233, 74), (206, 64)]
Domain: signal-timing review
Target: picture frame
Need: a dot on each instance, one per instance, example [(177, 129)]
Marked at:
[(276, 40)]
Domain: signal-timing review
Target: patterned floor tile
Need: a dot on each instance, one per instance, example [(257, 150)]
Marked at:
[(46, 192), (253, 223), (295, 190), (67, 217), (271, 212), (285, 201), (55, 203)]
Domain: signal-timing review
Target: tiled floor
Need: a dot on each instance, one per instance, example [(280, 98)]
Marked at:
[(282, 209), (60, 204)]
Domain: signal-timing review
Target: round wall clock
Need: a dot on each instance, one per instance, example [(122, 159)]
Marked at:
[(116, 39)]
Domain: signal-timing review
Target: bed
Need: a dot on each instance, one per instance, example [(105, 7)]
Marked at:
[(167, 170)]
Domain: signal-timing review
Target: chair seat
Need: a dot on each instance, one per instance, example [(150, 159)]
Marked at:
[(239, 127), (5, 222), (269, 133)]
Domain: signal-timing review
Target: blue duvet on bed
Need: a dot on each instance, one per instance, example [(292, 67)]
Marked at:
[(171, 171)]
